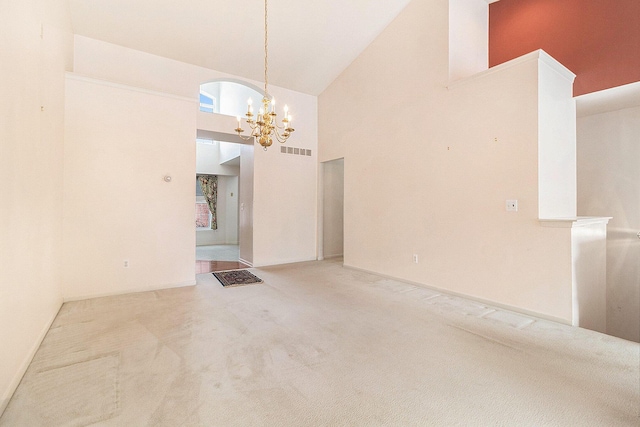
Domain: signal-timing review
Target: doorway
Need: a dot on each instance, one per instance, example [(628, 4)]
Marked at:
[(217, 236), (230, 245), (333, 209)]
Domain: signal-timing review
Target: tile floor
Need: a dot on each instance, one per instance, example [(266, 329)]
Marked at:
[(218, 258), (218, 253)]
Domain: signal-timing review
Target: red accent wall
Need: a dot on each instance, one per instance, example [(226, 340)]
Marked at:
[(598, 40)]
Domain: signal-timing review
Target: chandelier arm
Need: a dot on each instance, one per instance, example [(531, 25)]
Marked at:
[(281, 138), (245, 138)]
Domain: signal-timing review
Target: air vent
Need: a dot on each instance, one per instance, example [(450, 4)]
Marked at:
[(295, 151)]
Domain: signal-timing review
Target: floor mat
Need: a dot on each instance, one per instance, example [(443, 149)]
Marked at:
[(236, 278)]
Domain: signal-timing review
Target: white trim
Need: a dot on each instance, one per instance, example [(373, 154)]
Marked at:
[(469, 297), (287, 261), (17, 378), (244, 261), (132, 291), (78, 77), (556, 66)]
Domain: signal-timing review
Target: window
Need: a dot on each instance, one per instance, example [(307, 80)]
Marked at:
[(207, 102), (203, 215)]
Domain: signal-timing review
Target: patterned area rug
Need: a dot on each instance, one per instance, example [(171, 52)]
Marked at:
[(236, 278)]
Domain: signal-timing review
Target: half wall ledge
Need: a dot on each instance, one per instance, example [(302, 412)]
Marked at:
[(578, 221)]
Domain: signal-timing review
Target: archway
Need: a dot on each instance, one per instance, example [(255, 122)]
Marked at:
[(221, 153)]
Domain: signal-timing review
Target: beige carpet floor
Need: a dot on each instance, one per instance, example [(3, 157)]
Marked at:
[(320, 345)]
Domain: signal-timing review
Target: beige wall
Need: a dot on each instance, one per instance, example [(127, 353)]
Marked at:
[(120, 142), (35, 51), (609, 185), (468, 38), (278, 237), (284, 203), (428, 169)]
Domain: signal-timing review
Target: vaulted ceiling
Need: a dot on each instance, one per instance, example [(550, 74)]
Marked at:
[(310, 41)]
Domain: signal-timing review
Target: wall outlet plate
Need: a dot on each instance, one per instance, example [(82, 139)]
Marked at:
[(512, 205)]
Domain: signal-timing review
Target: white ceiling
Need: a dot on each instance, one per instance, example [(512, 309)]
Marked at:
[(310, 41)]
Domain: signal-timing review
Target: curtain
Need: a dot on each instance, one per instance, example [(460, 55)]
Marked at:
[(209, 187)]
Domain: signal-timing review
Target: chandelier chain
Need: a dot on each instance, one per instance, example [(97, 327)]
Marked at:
[(266, 49), (264, 128)]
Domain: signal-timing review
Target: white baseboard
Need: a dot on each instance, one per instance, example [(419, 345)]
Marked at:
[(469, 297), (15, 382), (286, 261), (244, 261), (130, 291)]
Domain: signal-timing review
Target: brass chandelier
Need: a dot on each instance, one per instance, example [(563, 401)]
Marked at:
[(264, 129)]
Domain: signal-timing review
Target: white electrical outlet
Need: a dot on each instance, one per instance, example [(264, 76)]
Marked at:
[(512, 206), (415, 258), (126, 263)]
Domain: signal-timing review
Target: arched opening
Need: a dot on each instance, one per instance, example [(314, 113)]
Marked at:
[(228, 97)]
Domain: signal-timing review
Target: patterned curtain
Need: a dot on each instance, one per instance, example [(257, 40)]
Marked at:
[(209, 186)]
